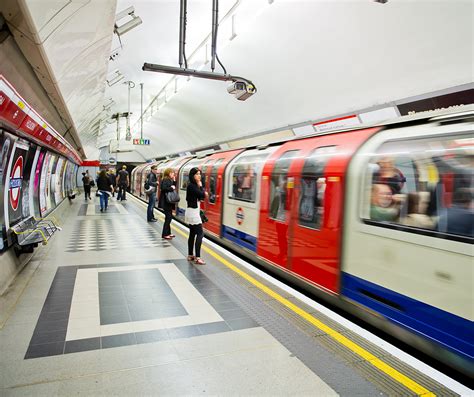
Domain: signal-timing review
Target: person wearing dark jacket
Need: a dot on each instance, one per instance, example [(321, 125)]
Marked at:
[(86, 182), (153, 183), (194, 194), (167, 185), (113, 181), (105, 189)]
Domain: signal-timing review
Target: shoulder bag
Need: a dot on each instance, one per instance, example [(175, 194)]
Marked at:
[(172, 197)]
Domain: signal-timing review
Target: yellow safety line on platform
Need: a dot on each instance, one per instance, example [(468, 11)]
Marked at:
[(369, 357)]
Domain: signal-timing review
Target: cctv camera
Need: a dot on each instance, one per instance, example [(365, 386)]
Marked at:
[(241, 89)]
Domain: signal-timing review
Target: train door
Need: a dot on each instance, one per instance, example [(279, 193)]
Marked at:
[(183, 180), (214, 187), (276, 201), (315, 219), (177, 166), (241, 214), (161, 169), (206, 171)]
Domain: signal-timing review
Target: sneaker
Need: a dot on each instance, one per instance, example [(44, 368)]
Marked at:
[(101, 210), (152, 220)]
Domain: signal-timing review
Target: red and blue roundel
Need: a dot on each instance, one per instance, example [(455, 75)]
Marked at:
[(15, 183)]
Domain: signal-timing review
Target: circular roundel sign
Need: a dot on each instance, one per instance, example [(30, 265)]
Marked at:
[(239, 214), (15, 183)]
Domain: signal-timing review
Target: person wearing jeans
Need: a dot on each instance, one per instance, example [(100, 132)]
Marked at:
[(105, 188), (153, 182)]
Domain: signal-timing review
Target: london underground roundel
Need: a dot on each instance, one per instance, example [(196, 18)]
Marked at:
[(15, 183)]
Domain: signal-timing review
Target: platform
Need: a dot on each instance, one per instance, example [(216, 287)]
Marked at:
[(109, 308)]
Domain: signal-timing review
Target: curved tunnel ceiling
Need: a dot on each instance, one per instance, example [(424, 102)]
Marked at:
[(308, 59)]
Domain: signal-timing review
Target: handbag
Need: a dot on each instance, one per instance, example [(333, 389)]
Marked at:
[(172, 197), (203, 216)]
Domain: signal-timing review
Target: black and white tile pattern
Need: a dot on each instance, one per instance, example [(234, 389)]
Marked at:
[(114, 233), (125, 299)]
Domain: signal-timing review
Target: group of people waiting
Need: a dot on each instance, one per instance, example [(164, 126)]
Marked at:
[(107, 184), (194, 194)]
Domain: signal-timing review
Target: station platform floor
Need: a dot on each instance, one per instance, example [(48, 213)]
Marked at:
[(109, 308)]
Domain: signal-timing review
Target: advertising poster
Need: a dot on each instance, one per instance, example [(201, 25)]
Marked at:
[(44, 187), (49, 183), (6, 144), (58, 194), (63, 179), (36, 183), (26, 197), (16, 173)]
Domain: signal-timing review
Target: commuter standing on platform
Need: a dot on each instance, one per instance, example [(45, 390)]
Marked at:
[(86, 182), (167, 185), (113, 180), (122, 183), (104, 188), (152, 182), (194, 194)]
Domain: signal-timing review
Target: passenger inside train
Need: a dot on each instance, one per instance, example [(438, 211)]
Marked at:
[(437, 193)]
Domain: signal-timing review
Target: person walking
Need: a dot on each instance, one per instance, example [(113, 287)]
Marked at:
[(122, 182), (167, 185), (86, 182), (194, 194), (152, 181), (113, 180), (104, 187)]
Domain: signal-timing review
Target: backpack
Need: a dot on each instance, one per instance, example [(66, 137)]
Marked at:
[(148, 188)]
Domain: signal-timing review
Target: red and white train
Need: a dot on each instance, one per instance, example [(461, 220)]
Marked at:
[(378, 220)]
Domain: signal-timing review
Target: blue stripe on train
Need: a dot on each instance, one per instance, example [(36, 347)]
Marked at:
[(243, 239), (455, 332)]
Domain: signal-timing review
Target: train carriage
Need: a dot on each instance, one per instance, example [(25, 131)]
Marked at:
[(415, 269), (379, 220), (212, 176), (242, 197)]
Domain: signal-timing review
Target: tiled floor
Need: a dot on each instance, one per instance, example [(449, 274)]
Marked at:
[(114, 310)]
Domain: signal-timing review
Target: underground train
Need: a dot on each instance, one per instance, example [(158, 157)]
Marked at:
[(377, 220)]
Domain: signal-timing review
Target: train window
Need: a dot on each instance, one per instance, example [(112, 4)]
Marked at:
[(278, 186), (313, 187), (204, 171), (213, 181), (423, 186), (184, 175), (244, 173)]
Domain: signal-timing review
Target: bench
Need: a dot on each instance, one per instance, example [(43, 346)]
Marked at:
[(30, 232)]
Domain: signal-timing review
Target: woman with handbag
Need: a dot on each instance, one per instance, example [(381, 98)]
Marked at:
[(194, 194), (168, 186)]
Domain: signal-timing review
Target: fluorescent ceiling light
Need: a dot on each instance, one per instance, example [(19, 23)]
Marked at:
[(127, 26), (115, 79)]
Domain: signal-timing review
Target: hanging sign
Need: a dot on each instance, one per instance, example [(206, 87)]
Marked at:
[(141, 141)]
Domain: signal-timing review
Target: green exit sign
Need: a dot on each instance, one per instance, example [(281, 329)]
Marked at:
[(141, 141)]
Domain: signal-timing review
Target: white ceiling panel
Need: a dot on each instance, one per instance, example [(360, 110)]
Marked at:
[(308, 59)]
